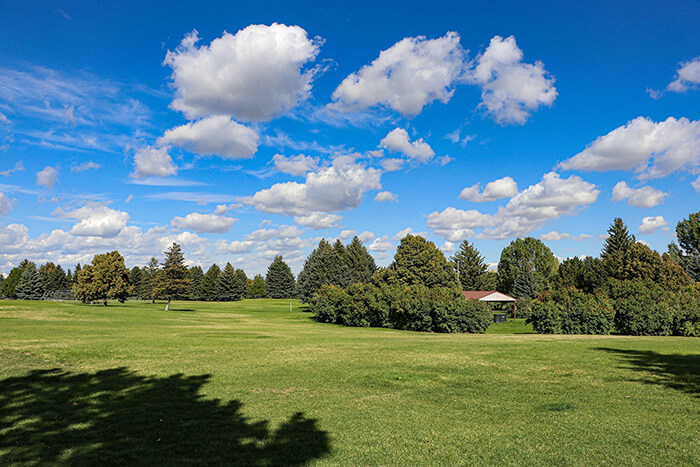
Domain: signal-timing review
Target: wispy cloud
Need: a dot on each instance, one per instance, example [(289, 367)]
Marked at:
[(199, 198), (158, 181)]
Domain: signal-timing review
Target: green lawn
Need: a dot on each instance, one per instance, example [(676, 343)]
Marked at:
[(250, 382)]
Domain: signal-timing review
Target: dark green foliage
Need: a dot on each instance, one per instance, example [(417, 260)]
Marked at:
[(570, 311), (526, 285), (173, 282), (642, 308), (149, 279), (256, 287), (209, 281), (135, 277), (470, 266), (412, 308), (526, 256), (686, 311), (54, 280), (231, 284), (360, 263), (619, 239), (586, 275), (78, 268), (196, 277), (419, 262), (642, 263), (279, 281), (30, 285), (688, 254)]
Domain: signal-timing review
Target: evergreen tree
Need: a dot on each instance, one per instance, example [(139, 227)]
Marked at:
[(419, 261), (256, 287), (470, 266), (105, 279), (149, 279), (279, 282), (361, 265), (209, 281), (54, 279), (69, 279), (688, 254), (523, 256), (196, 276), (339, 268), (226, 285), (174, 280), (619, 239), (316, 272), (9, 285), (241, 283), (30, 285), (78, 268), (135, 277)]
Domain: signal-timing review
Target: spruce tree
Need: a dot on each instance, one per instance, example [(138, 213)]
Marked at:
[(361, 264), (226, 286), (316, 272), (174, 282), (196, 276), (149, 278), (30, 285), (619, 239), (9, 285), (470, 267), (339, 267), (241, 284), (256, 287), (209, 281), (279, 282), (135, 276), (419, 261)]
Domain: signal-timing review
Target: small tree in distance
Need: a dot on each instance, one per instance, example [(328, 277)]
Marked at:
[(173, 281), (105, 279), (256, 287), (279, 282), (470, 266)]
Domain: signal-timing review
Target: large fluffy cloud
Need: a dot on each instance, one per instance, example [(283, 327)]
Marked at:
[(153, 162), (651, 224), (214, 136), (510, 88), (644, 197), (96, 220), (336, 188), (405, 77), (398, 140), (254, 75), (527, 211), (502, 188), (203, 223), (652, 149)]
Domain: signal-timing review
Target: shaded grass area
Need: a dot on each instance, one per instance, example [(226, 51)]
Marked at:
[(249, 382)]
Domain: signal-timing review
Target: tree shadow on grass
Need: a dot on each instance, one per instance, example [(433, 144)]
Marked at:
[(118, 417), (681, 372)]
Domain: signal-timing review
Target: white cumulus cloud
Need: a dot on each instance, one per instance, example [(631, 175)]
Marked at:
[(651, 224), (214, 136), (687, 76), (294, 165), (510, 88), (554, 235), (456, 225), (47, 177), (96, 220), (384, 196), (398, 141), (381, 244), (502, 188), (652, 149), (203, 223), (644, 197), (318, 220), (405, 77), (254, 75), (153, 162)]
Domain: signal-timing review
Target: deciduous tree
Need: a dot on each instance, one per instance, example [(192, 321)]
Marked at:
[(526, 256), (105, 279)]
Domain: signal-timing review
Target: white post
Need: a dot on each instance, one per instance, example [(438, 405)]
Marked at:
[(290, 307)]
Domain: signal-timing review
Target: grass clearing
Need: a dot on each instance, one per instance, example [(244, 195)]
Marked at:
[(250, 382)]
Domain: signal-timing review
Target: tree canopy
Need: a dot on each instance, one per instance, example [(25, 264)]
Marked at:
[(470, 267), (279, 281), (419, 261), (105, 279), (526, 256), (173, 281)]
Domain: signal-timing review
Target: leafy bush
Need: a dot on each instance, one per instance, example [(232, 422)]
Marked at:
[(570, 311), (686, 311), (642, 308), (412, 308)]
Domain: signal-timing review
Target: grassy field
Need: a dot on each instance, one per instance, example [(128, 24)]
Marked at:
[(250, 382)]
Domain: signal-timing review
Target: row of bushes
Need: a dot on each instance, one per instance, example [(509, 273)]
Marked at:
[(635, 308), (411, 308)]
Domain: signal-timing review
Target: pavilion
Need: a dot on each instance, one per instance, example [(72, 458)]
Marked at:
[(492, 296)]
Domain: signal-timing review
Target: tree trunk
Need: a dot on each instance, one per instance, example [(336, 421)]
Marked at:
[(105, 302), (153, 300), (167, 307)]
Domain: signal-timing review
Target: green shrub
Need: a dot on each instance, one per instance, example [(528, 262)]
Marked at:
[(411, 308), (685, 306), (570, 311), (642, 308)]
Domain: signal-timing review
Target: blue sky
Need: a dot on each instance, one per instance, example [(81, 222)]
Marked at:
[(243, 131)]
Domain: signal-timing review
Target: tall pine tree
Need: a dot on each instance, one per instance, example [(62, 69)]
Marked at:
[(470, 267), (149, 278), (209, 281), (30, 286), (361, 265), (196, 276), (174, 282), (279, 282), (619, 239)]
